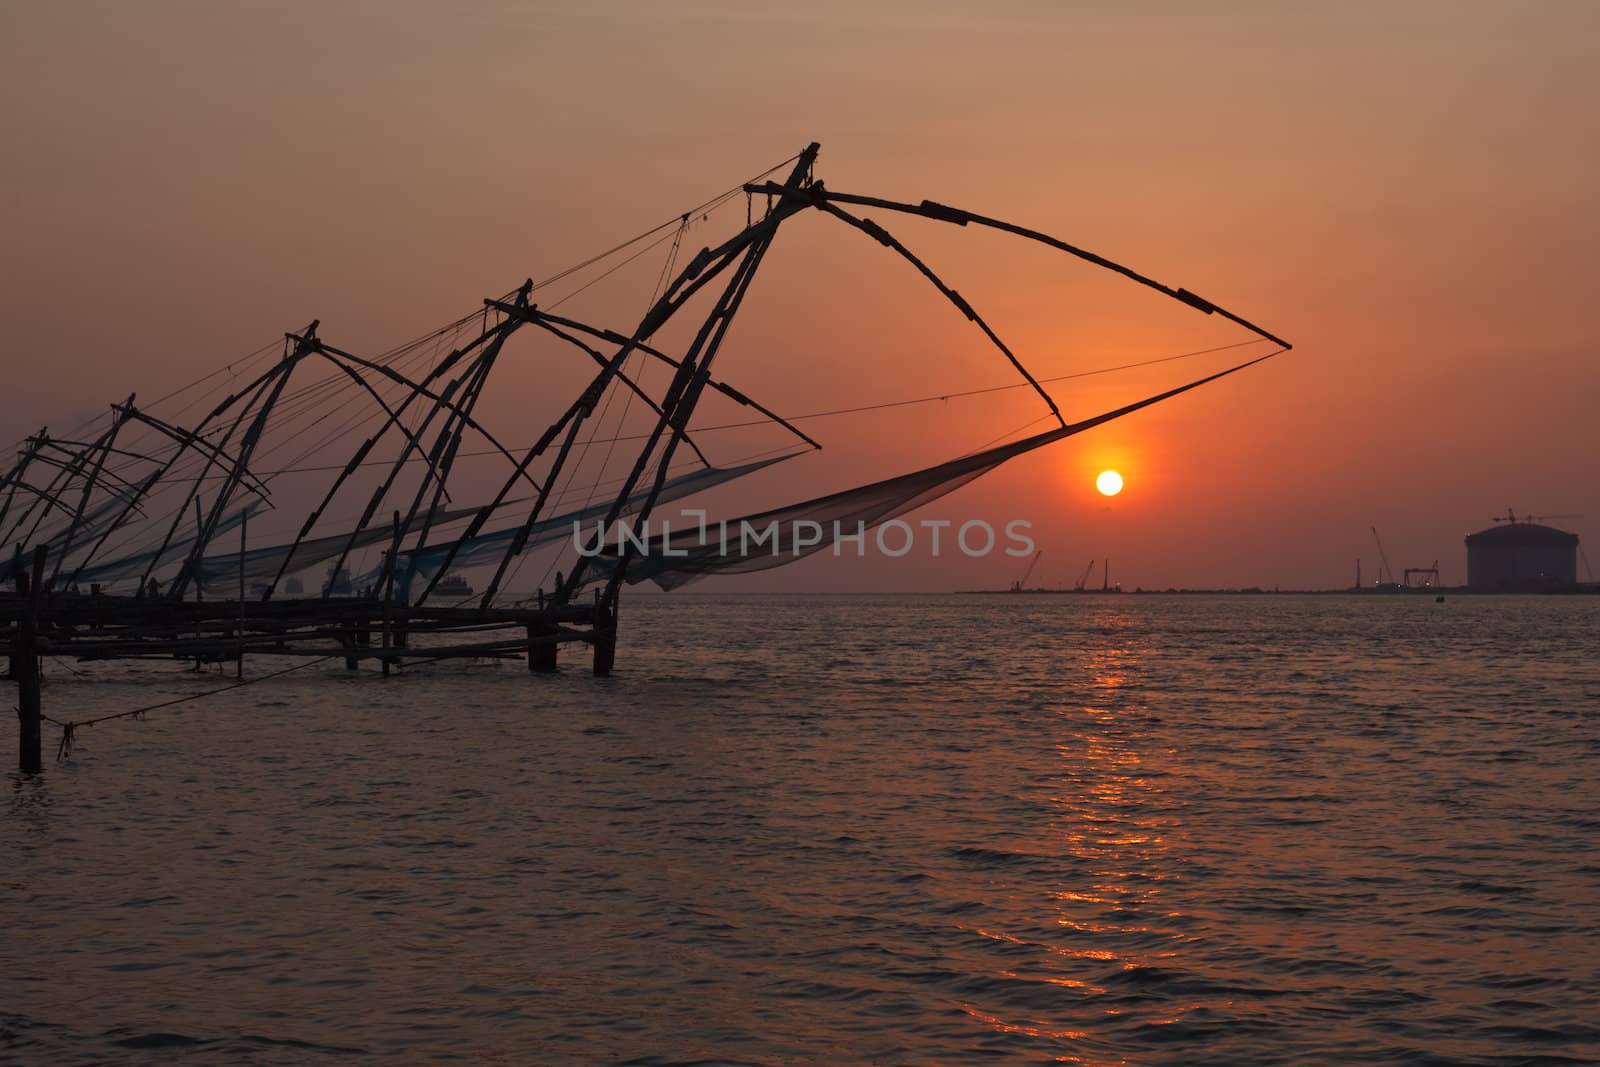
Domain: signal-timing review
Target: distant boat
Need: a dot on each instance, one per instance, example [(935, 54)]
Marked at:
[(453, 585)]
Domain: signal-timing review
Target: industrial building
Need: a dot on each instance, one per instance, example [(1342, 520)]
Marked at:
[(1521, 555)]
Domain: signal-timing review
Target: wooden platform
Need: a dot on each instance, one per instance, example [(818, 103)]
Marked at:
[(112, 627), (36, 623)]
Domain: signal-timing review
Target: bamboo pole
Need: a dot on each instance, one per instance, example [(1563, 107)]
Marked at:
[(103, 450), (605, 636), (700, 272), (722, 387), (244, 526), (419, 390), (684, 393), (542, 653), (388, 592), (888, 240), (25, 662), (943, 213), (214, 453), (247, 447)]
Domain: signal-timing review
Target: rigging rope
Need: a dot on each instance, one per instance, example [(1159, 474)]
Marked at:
[(709, 205), (960, 394), (993, 388), (307, 398), (316, 403), (627, 404), (69, 729)]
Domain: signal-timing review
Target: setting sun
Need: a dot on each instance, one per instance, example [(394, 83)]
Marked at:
[(1109, 483)]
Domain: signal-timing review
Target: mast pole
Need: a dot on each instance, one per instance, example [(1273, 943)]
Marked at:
[(700, 271), (247, 447), (413, 444), (244, 539), (14, 476), (103, 446), (687, 386), (258, 388)]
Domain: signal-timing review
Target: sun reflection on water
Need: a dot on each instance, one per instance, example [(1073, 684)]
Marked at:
[(1109, 825)]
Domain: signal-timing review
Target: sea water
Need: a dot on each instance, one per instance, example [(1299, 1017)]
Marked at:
[(812, 830)]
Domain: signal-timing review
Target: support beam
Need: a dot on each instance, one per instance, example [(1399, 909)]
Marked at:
[(929, 209), (488, 345), (25, 661), (102, 450), (542, 649), (247, 446), (611, 336), (695, 370), (888, 240), (605, 634), (700, 272)]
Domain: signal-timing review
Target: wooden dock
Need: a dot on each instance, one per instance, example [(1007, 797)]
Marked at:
[(37, 622)]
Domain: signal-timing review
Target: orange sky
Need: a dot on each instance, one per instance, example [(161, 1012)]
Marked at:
[(1405, 191)]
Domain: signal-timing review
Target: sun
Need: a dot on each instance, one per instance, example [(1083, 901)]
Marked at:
[(1109, 483)]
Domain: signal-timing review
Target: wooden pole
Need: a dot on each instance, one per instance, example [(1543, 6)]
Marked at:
[(21, 580), (244, 526), (541, 654), (605, 636), (388, 588), (25, 663), (199, 526)]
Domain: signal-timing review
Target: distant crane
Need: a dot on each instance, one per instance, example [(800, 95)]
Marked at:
[(1511, 517), (1084, 577), (1016, 586), (1430, 575), (1386, 574)]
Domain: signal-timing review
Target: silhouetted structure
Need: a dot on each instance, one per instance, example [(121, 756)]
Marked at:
[(140, 503), (1521, 556)]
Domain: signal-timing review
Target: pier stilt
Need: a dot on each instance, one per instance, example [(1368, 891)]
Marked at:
[(25, 664), (541, 654), (388, 593), (605, 654), (244, 527), (26, 669), (605, 638)]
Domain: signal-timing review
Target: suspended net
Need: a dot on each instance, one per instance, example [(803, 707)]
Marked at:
[(157, 499), (421, 565), (783, 535)]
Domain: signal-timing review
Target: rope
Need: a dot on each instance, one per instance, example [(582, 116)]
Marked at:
[(296, 402), (708, 205), (627, 404), (70, 729), (836, 411), (996, 388)]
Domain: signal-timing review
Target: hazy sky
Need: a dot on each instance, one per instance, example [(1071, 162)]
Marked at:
[(1403, 190)]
